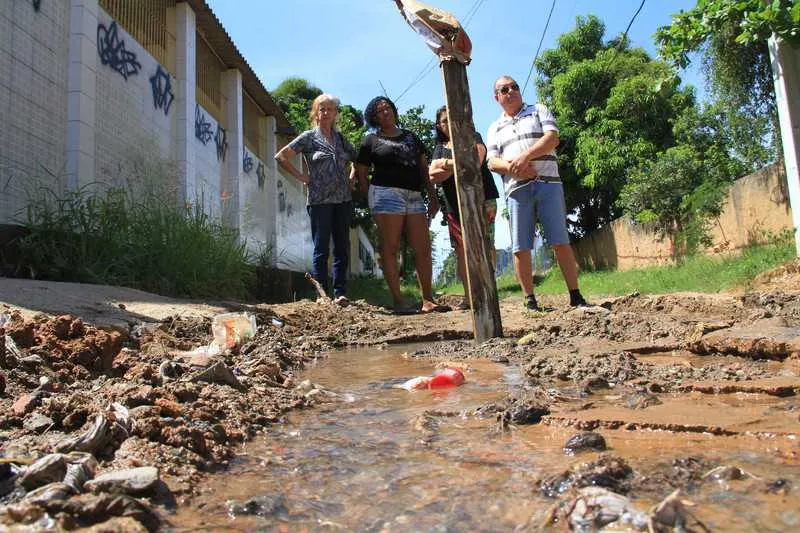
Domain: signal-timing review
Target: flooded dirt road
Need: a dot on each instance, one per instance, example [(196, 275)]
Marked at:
[(378, 458), (130, 423)]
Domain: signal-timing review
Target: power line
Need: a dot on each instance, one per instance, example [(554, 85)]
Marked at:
[(538, 48)]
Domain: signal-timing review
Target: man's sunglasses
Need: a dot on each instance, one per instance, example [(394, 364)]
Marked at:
[(505, 89)]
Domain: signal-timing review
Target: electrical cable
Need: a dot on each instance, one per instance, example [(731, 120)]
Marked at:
[(538, 48)]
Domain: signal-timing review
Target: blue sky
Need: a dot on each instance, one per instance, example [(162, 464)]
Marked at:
[(356, 48)]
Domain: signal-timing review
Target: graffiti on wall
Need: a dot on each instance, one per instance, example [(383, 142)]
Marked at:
[(37, 5), (221, 140), (262, 175), (281, 198), (202, 128), (247, 163), (113, 53), (161, 83)]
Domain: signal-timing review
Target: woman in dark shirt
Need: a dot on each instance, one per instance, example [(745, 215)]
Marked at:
[(441, 172), (399, 174)]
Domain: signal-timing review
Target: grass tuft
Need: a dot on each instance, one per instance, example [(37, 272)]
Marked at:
[(140, 241)]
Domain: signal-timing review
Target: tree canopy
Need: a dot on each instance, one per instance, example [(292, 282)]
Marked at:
[(615, 108), (731, 37)]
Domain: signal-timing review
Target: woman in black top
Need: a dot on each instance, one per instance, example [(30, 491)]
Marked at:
[(399, 167), (441, 172)]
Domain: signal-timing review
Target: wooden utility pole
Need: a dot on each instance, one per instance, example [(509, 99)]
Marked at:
[(445, 36), (481, 286)]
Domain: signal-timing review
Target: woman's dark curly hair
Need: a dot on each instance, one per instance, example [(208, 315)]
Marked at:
[(371, 111), (440, 137)]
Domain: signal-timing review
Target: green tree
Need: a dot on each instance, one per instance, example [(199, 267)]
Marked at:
[(731, 37), (615, 108), (413, 119), (294, 96), (449, 272)]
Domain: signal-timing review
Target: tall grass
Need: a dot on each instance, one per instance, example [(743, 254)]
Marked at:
[(136, 240), (707, 274)]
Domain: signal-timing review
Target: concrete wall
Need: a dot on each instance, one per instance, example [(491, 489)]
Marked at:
[(130, 132), (83, 104), (33, 100), (756, 208)]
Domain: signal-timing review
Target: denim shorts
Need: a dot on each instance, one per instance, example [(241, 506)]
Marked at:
[(540, 201), (395, 201)]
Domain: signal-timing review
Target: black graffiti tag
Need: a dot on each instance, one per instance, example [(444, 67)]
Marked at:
[(112, 51), (162, 90), (202, 129), (247, 163), (221, 140), (262, 176)]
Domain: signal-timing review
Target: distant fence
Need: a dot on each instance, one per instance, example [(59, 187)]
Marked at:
[(757, 206)]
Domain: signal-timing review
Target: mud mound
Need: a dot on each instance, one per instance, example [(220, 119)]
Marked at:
[(783, 278)]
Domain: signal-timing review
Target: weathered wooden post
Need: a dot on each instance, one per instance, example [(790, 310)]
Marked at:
[(442, 32)]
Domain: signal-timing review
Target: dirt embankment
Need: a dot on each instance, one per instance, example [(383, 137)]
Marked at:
[(109, 383)]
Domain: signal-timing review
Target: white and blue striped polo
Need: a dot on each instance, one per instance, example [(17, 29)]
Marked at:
[(510, 136)]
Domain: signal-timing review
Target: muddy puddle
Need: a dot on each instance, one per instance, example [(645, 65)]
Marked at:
[(378, 458)]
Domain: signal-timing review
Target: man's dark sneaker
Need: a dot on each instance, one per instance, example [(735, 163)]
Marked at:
[(576, 299), (531, 304)]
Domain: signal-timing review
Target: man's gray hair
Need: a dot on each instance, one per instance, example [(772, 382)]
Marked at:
[(503, 77)]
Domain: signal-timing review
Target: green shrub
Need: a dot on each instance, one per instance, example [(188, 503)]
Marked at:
[(141, 241)]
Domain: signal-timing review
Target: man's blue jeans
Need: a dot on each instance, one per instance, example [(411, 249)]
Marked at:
[(331, 220)]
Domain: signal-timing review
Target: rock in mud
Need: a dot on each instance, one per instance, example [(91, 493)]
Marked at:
[(133, 481), (525, 406), (81, 467), (584, 442), (593, 508), (217, 373), (48, 469), (610, 472), (759, 341), (50, 492), (260, 506), (37, 423), (725, 473), (640, 400), (89, 509), (779, 486)]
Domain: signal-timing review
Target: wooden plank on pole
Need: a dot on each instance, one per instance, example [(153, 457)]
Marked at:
[(481, 287)]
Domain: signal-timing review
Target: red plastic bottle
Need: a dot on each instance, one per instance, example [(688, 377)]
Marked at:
[(449, 377)]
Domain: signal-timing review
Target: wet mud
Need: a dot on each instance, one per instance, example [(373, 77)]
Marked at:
[(154, 417)]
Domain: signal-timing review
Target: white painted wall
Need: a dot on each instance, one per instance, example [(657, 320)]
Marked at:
[(61, 107), (33, 101), (209, 170), (293, 246), (129, 129)]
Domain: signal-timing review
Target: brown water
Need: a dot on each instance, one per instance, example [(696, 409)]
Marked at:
[(371, 462)]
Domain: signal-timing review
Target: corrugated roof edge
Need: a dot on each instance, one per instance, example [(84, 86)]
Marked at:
[(227, 51)]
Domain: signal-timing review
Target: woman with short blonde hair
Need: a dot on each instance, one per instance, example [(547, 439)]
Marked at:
[(327, 155)]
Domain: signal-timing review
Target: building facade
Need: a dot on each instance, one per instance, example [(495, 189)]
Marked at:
[(123, 93)]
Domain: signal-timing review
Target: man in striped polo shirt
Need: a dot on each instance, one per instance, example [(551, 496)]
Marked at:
[(521, 146)]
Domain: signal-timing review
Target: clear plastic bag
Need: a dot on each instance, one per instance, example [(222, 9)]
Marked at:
[(232, 329)]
